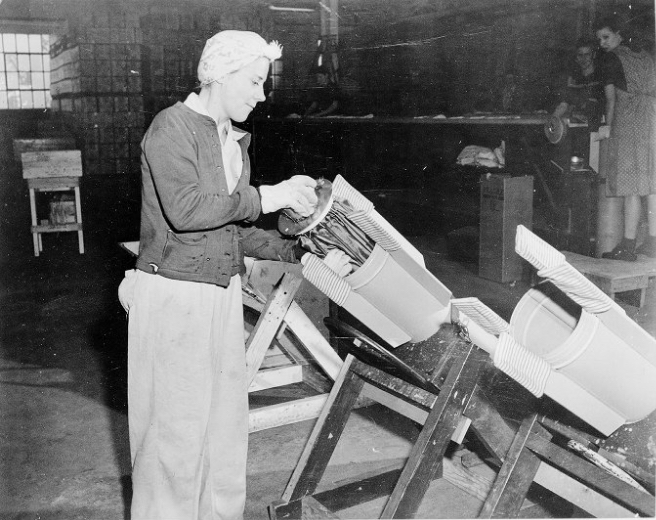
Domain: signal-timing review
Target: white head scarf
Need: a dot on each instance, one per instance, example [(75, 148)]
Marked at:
[(228, 51)]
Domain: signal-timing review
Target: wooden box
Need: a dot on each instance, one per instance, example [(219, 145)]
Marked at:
[(59, 163), (62, 210), (506, 202)]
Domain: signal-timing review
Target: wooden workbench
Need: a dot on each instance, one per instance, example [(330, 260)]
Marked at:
[(407, 167)]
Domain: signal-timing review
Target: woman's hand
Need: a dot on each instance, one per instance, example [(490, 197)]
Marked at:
[(337, 260), (296, 193)]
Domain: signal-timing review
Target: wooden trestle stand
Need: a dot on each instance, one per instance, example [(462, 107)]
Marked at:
[(280, 317), (456, 378), (452, 399)]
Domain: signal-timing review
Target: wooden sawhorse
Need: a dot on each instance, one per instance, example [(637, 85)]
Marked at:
[(525, 456), (279, 317), (456, 375)]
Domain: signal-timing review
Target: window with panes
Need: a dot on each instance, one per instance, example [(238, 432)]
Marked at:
[(24, 71)]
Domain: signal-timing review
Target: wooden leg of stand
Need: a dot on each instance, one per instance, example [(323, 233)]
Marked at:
[(497, 437), (428, 451), (514, 478), (306, 509), (325, 435), (269, 323), (36, 238), (321, 444), (78, 219), (587, 473)]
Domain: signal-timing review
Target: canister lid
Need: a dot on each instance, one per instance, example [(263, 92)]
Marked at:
[(291, 223)]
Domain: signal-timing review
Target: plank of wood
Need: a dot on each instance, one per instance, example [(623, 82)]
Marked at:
[(395, 386), (579, 494), (325, 434), (379, 482), (286, 413), (313, 510), (302, 327), (497, 436), (274, 358), (274, 377), (470, 482), (270, 321), (56, 228), (56, 163), (53, 183), (597, 477), (514, 478), (425, 459), (44, 144)]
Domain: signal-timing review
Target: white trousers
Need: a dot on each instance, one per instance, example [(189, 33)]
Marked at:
[(187, 398)]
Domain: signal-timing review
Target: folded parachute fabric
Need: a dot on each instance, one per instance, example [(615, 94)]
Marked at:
[(474, 155)]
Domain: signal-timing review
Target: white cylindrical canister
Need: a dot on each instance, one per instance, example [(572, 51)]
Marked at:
[(600, 359), (399, 296)]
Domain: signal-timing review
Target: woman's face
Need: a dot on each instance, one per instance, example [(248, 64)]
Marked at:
[(241, 90), (584, 57), (608, 39)]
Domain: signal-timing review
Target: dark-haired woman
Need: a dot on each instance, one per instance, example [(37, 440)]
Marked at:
[(629, 81)]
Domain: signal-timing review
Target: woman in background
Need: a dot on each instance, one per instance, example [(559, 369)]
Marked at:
[(584, 91), (629, 81), (324, 96)]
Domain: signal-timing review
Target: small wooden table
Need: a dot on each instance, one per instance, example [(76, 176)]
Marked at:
[(615, 276), (47, 171)]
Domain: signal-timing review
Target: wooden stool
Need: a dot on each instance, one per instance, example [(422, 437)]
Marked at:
[(53, 171), (456, 375)]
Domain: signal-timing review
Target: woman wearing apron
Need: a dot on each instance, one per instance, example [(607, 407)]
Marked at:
[(629, 83), (187, 389)]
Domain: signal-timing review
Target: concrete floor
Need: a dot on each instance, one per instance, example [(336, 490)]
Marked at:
[(63, 428)]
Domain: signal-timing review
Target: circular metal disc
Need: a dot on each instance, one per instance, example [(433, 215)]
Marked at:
[(555, 129), (291, 223)]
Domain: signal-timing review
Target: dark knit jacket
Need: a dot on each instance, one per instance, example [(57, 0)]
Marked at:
[(191, 227)]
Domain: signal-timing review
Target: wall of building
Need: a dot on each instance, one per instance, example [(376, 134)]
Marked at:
[(116, 63)]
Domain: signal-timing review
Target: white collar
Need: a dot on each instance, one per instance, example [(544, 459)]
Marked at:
[(193, 102)]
